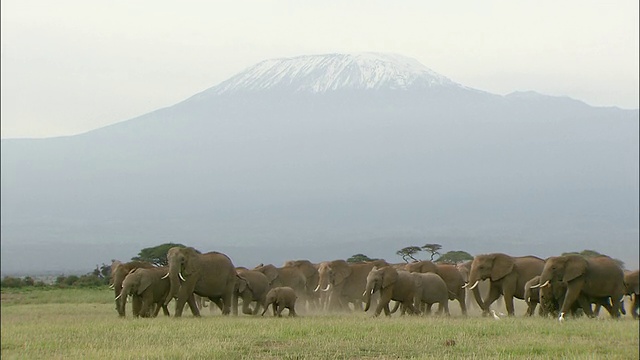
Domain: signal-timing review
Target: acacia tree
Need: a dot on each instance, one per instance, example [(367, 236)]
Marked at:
[(156, 255), (454, 257), (433, 249), (408, 252), (359, 258)]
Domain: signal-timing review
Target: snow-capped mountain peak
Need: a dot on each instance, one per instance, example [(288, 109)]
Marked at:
[(323, 73)]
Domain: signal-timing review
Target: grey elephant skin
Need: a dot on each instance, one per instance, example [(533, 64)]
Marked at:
[(289, 276), (148, 289), (551, 298), (449, 274), (431, 289), (252, 287), (312, 279), (119, 271), (280, 298), (392, 285), (210, 275), (507, 274), (532, 296), (594, 279), (479, 292), (632, 288), (345, 282)]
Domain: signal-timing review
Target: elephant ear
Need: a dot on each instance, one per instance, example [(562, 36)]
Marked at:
[(389, 277), (270, 272), (190, 265), (417, 280), (502, 266), (575, 267), (242, 283), (341, 270), (145, 281)]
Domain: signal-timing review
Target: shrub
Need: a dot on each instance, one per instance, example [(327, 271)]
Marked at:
[(11, 282)]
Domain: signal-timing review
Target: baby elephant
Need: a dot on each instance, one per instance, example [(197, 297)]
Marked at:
[(280, 298)]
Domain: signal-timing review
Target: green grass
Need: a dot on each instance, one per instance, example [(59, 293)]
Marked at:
[(50, 324)]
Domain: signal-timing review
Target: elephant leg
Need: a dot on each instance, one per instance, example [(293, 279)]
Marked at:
[(508, 301), (292, 311), (493, 295), (136, 305), (635, 307), (387, 310), (247, 299), (226, 301), (156, 309), (462, 301), (234, 305), (445, 305), (410, 308), (427, 308), (383, 303), (571, 296), (193, 306)]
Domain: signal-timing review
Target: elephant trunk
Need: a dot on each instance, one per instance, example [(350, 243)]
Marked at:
[(367, 296), (117, 290), (121, 299), (323, 284), (174, 279), (545, 278)]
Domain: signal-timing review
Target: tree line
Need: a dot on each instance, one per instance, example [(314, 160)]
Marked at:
[(157, 255)]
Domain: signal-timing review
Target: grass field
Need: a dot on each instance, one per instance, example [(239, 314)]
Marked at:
[(83, 324)]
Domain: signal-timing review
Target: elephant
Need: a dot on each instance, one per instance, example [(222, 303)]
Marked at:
[(479, 292), (312, 277), (392, 285), (451, 276), (119, 271), (211, 275), (507, 274), (430, 288), (290, 276), (631, 280), (280, 298), (147, 287), (532, 296), (597, 278), (251, 286), (551, 298), (345, 282)]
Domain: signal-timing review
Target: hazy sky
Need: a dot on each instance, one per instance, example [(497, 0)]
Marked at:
[(73, 66)]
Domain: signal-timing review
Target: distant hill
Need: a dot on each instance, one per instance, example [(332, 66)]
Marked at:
[(322, 157)]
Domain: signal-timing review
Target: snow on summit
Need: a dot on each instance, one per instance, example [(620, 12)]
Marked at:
[(322, 73)]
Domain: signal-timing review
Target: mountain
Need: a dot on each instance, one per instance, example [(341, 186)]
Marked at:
[(322, 157)]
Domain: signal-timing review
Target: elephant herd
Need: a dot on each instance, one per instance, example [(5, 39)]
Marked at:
[(561, 285)]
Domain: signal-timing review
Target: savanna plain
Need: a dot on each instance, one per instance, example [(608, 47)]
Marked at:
[(83, 324)]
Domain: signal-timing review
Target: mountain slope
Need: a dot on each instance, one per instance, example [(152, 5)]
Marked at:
[(302, 151)]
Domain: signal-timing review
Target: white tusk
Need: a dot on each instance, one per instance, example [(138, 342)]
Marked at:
[(180, 274), (166, 276), (465, 285), (327, 288), (316, 289), (118, 297), (111, 286), (535, 286), (474, 285), (364, 293), (546, 283)]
